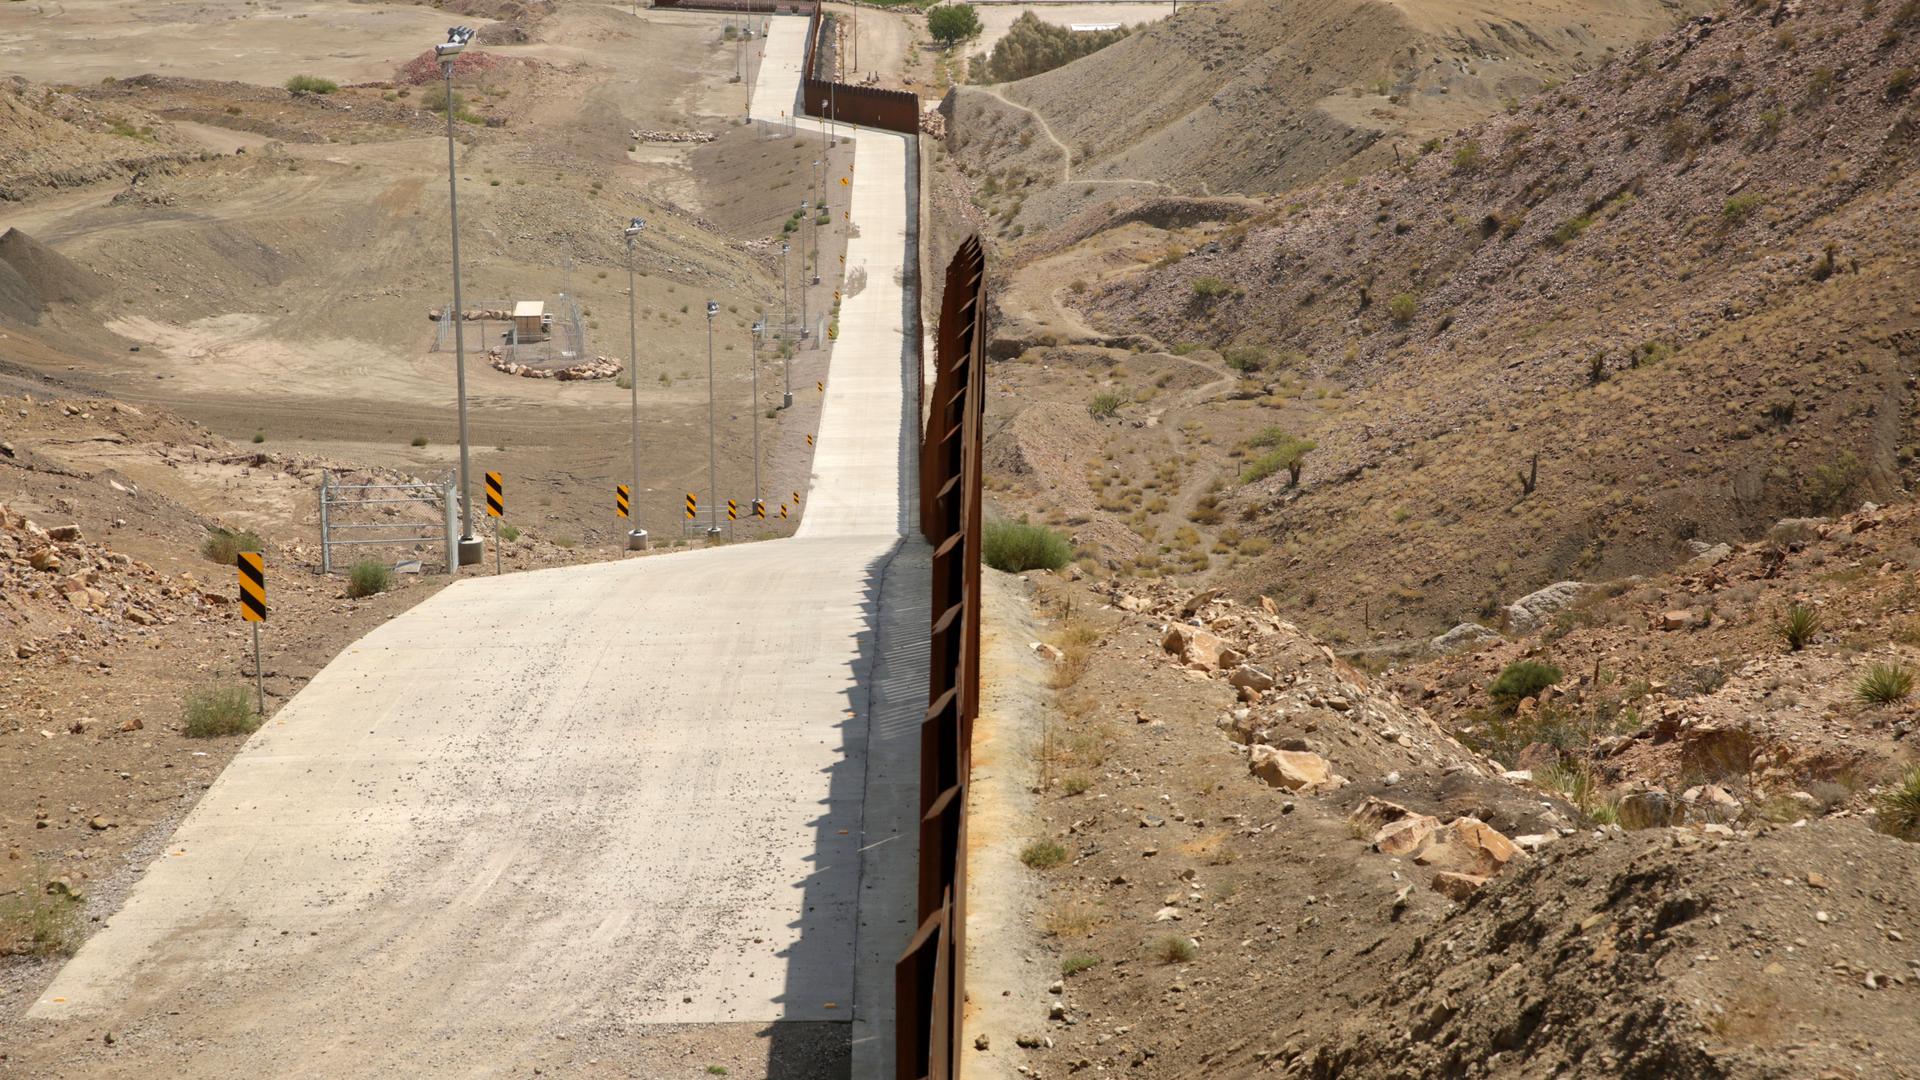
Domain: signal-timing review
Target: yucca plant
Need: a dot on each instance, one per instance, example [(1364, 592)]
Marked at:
[(1884, 684), (1897, 812), (1798, 626)]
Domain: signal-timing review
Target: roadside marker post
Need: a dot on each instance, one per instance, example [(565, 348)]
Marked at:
[(620, 496), (809, 439), (733, 510), (496, 509), (760, 509), (796, 500), (253, 608), (783, 511), (693, 506), (821, 386)]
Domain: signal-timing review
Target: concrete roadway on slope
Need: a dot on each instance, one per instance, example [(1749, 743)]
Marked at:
[(579, 818)]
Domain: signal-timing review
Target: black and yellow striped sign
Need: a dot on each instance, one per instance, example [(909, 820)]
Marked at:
[(620, 499), (733, 510), (760, 509), (843, 181), (820, 386), (253, 586), (809, 440), (693, 506), (496, 498), (783, 511), (796, 500)]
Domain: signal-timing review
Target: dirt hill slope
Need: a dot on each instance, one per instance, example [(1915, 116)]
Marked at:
[(51, 139), (1261, 95), (1683, 282), (33, 275)]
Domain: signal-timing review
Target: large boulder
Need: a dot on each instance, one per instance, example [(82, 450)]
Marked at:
[(1468, 635), (1647, 810), (1407, 836), (1248, 677), (1531, 612), (1200, 648), (1468, 845), (1295, 770)]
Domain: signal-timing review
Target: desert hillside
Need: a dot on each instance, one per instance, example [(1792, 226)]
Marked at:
[(1264, 95), (1682, 283)]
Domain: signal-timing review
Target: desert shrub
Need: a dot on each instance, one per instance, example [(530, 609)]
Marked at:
[(1043, 854), (1032, 46), (1174, 949), (950, 24), (224, 545), (311, 84), (1288, 452), (212, 711), (369, 576), (1740, 207), (259, 436), (1522, 679), (1014, 546), (1403, 307), (1570, 231), (509, 533), (1831, 483), (1884, 684), (1798, 626), (1245, 357), (1897, 810), (1900, 83), (1467, 158), (419, 440), (1207, 288), (38, 922), (1075, 963), (1105, 405)]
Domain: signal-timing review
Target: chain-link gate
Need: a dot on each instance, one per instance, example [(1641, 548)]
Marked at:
[(356, 515)]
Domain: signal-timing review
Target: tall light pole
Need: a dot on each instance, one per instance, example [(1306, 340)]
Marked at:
[(713, 468), (819, 204), (806, 213), (470, 545), (758, 327), (786, 327), (637, 536)]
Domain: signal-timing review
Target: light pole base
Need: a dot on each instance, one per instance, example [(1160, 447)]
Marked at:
[(713, 531), (637, 540), (786, 400), (471, 548)]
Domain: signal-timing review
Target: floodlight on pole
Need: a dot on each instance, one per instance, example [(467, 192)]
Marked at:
[(636, 536), (713, 468), (470, 547)]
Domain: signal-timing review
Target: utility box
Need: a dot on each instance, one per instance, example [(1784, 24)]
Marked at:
[(529, 321)]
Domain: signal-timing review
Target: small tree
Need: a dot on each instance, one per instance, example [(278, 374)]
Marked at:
[(1289, 452), (951, 24)]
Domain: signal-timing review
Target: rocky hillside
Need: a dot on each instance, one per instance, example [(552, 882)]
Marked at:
[(53, 139), (1263, 95), (1670, 300)]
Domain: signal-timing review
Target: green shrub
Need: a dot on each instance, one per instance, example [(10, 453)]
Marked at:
[(1105, 405), (509, 533), (1570, 231), (1206, 288), (369, 576), (1076, 963), (1522, 679), (1798, 626), (1032, 46), (1897, 810), (1174, 949), (1014, 546), (1884, 684), (1288, 452), (1740, 207), (951, 24), (1043, 854), (224, 545), (419, 440), (259, 436), (1831, 484), (1403, 308), (1467, 158), (212, 711), (311, 84), (1245, 357)]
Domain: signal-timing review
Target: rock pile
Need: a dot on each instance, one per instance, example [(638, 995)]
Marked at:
[(57, 588), (600, 367), (672, 136), (472, 314)]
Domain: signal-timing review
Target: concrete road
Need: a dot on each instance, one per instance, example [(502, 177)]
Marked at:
[(550, 818)]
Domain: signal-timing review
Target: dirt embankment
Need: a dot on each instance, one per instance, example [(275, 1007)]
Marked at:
[(1213, 890)]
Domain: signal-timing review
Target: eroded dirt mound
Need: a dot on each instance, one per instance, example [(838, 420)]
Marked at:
[(52, 139), (33, 275)]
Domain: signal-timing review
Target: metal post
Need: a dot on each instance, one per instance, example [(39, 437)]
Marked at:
[(456, 548), (469, 547), (713, 470), (496, 547), (805, 215), (326, 547), (786, 326), (636, 536), (756, 419), (259, 680)]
